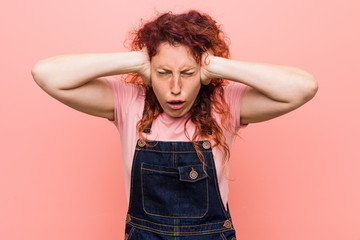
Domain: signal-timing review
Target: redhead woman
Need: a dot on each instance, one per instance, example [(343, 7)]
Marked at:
[(178, 101)]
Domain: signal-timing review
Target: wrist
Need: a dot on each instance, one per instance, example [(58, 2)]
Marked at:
[(133, 62), (217, 67), (140, 64)]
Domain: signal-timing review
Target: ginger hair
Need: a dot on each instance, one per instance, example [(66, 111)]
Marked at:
[(200, 33)]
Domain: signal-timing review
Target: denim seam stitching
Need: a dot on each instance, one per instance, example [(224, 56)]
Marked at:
[(132, 178), (173, 153), (146, 228), (131, 232), (205, 224), (152, 170), (222, 236), (217, 187)]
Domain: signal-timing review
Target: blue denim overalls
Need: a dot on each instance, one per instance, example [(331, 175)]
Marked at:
[(171, 196)]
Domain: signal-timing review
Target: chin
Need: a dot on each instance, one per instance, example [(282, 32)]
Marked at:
[(176, 114)]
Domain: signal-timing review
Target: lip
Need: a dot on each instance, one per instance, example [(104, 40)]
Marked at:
[(176, 106)]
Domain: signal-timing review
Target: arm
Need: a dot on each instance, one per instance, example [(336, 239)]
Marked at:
[(76, 81), (273, 90)]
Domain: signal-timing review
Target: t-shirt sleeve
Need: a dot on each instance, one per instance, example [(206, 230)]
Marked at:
[(234, 93), (123, 94)]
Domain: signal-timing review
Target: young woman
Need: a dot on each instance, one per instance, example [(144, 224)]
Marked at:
[(177, 117)]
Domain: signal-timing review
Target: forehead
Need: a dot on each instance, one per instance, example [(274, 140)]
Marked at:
[(170, 56)]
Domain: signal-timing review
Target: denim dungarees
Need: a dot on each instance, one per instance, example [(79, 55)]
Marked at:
[(171, 196)]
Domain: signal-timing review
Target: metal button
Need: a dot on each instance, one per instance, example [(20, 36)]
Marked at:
[(227, 224), (193, 174), (141, 143), (206, 144)]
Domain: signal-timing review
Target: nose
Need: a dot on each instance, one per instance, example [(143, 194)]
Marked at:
[(176, 85)]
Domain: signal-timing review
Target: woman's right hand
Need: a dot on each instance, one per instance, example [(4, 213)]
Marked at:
[(144, 69)]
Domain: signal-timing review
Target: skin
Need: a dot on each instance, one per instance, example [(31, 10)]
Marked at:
[(272, 90), (175, 76), (75, 80)]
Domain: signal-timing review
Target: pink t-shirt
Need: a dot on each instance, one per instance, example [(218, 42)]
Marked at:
[(128, 110)]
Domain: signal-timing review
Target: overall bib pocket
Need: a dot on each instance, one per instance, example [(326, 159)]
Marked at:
[(174, 192)]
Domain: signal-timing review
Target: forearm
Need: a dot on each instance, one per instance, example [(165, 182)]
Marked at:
[(73, 70), (278, 82)]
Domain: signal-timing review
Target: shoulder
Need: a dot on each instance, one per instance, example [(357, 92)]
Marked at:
[(119, 83), (128, 98), (233, 95), (233, 89)]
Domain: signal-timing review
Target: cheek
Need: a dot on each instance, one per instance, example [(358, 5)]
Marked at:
[(196, 93), (158, 90), (195, 89)]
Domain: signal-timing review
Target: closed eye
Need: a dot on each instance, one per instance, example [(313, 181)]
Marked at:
[(188, 74), (163, 73)]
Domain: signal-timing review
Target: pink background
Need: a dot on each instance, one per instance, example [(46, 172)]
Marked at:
[(297, 176)]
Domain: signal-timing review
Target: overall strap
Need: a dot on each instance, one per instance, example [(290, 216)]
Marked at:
[(148, 129)]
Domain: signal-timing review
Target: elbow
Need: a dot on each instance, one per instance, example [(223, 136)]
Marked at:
[(37, 72), (34, 74), (308, 84), (311, 89), (308, 91)]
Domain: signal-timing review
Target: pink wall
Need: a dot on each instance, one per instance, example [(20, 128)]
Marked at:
[(297, 176)]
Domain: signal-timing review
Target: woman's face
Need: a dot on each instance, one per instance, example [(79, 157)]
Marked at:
[(175, 78)]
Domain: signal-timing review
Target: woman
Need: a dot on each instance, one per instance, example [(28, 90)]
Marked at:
[(177, 117)]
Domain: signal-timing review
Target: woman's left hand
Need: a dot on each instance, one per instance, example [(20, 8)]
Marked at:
[(207, 72)]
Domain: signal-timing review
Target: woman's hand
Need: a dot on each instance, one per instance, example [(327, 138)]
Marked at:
[(208, 68), (144, 68)]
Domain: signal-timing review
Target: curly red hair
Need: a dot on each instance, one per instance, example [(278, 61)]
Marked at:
[(200, 33)]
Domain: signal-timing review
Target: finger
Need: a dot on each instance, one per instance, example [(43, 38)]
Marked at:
[(205, 58)]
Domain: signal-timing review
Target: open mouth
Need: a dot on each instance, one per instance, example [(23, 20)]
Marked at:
[(176, 104)]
